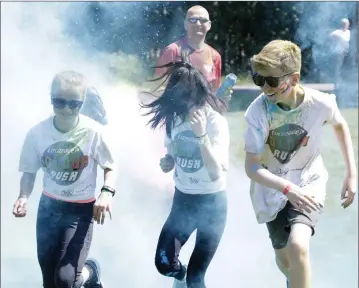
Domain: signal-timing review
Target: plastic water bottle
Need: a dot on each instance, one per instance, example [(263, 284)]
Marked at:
[(227, 85)]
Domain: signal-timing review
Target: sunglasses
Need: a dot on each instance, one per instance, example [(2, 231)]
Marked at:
[(201, 20), (60, 103), (271, 81)]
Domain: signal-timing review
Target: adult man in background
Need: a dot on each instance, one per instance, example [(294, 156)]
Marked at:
[(340, 39), (194, 49)]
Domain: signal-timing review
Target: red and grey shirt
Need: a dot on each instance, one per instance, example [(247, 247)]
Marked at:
[(207, 60)]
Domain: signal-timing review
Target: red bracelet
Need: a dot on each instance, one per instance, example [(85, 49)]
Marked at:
[(286, 189)]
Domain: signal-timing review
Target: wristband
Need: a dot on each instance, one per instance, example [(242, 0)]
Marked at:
[(106, 188), (286, 189), (199, 137), (203, 141)]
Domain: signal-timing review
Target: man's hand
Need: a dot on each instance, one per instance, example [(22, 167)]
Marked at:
[(348, 191), (102, 205), (198, 121), (302, 201), (167, 163), (19, 209)]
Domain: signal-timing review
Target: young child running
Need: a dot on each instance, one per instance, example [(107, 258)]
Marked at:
[(197, 141), (68, 147), (282, 143)]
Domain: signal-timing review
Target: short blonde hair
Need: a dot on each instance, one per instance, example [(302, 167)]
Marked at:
[(278, 54), (68, 82)]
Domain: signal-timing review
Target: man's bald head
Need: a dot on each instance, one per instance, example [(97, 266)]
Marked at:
[(197, 9), (197, 22)]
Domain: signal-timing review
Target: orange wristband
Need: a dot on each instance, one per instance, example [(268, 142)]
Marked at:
[(286, 189)]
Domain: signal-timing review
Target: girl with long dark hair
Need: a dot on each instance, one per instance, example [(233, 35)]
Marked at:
[(197, 141)]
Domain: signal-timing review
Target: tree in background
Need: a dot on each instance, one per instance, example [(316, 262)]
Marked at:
[(238, 31)]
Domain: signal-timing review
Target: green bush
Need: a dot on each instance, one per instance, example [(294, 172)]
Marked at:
[(124, 68)]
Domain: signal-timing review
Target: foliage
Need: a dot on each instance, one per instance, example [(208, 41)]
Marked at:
[(239, 29)]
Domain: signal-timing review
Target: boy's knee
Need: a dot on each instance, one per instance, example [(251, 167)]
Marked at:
[(298, 249), (298, 242), (281, 258), (282, 262)]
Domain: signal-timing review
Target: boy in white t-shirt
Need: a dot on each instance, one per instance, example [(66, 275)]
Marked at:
[(68, 147), (283, 160)]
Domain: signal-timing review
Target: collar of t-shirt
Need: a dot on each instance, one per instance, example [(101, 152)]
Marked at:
[(305, 99), (184, 42)]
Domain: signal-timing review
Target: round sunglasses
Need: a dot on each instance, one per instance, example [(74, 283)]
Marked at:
[(60, 103), (271, 81)]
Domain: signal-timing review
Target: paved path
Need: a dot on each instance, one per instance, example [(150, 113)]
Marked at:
[(318, 86)]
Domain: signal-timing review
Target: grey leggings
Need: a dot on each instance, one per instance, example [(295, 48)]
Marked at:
[(64, 234)]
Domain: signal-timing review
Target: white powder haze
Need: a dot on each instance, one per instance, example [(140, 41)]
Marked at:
[(33, 51)]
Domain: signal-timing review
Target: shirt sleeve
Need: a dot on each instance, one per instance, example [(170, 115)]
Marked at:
[(257, 128), (103, 153), (333, 115), (30, 161), (218, 67), (169, 54), (220, 139)]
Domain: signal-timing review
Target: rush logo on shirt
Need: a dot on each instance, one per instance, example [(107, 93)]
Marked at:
[(285, 141), (187, 152), (64, 162)]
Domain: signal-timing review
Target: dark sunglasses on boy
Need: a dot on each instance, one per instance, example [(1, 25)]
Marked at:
[(271, 81)]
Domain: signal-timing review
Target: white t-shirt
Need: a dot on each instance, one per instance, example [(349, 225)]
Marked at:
[(191, 175), (289, 144), (342, 39), (69, 160)]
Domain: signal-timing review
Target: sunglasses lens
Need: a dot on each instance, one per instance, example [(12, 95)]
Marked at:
[(75, 104), (272, 81), (258, 80), (201, 20), (58, 103)]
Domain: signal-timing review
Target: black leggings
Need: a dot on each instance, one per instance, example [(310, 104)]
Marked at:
[(206, 213), (64, 234)]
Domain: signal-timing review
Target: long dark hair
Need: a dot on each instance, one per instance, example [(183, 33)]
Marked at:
[(186, 87)]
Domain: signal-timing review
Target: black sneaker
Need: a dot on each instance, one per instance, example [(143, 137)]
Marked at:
[(95, 280)]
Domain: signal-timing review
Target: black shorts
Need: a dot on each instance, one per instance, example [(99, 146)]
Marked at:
[(279, 228)]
